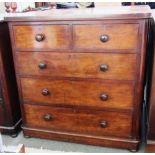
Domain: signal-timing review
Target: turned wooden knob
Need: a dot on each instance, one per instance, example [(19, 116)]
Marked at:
[(104, 38), (39, 37), (47, 117), (103, 67), (45, 92), (103, 124), (104, 97), (42, 65)]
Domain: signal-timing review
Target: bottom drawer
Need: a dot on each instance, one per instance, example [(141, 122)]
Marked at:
[(99, 123)]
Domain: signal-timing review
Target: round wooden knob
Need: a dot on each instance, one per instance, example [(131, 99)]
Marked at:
[(103, 67), (39, 37), (104, 38), (45, 92), (42, 65), (47, 117), (103, 124), (104, 97)]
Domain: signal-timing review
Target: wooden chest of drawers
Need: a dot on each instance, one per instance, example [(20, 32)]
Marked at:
[(80, 74)]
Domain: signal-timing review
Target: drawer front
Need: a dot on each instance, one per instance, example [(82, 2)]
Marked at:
[(99, 65), (42, 36), (108, 36), (82, 122), (90, 93)]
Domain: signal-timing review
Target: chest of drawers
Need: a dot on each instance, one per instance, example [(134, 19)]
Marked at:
[(80, 74)]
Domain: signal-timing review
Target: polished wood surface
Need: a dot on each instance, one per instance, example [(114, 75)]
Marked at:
[(84, 65), (98, 13), (79, 92), (54, 36), (116, 40), (76, 121), (95, 76)]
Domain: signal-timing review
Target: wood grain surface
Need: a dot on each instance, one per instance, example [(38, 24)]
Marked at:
[(83, 122), (55, 36), (83, 65)]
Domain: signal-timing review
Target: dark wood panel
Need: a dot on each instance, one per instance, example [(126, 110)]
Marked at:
[(151, 133), (10, 109), (150, 147), (1, 115)]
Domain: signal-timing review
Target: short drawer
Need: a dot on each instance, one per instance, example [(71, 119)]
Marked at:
[(41, 36), (106, 36), (99, 123), (90, 93), (84, 65)]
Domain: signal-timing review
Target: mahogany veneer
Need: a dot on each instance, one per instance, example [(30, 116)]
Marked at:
[(50, 39), (119, 66), (80, 73), (117, 40), (79, 92), (78, 121)]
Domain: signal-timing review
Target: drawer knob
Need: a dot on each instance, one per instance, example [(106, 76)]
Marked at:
[(45, 92), (47, 117), (104, 97), (103, 124), (42, 65), (103, 67), (39, 37), (104, 38)]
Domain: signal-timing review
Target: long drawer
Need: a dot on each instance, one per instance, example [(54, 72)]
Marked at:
[(90, 93), (78, 121), (99, 65)]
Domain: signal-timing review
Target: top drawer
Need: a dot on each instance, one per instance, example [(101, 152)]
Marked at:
[(92, 36), (42, 36), (106, 36)]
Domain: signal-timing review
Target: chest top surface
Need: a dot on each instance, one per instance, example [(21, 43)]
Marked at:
[(98, 13)]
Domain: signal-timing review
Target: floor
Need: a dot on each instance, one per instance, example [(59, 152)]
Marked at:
[(35, 145)]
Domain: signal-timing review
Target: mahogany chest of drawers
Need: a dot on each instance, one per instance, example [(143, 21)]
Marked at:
[(80, 73), (10, 117)]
